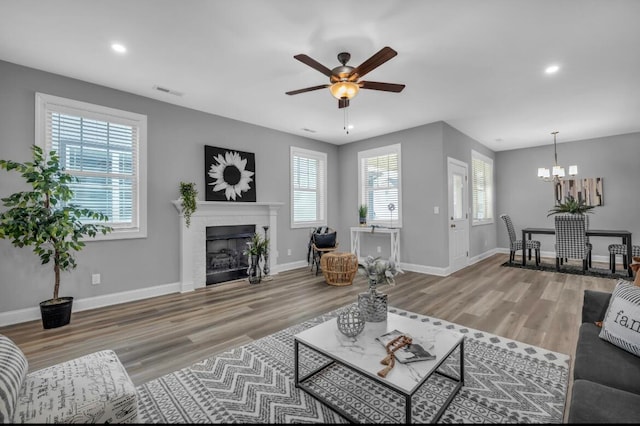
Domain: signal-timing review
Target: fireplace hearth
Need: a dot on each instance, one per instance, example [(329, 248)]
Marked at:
[(193, 242), (225, 260)]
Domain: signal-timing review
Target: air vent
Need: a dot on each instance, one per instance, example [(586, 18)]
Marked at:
[(165, 90)]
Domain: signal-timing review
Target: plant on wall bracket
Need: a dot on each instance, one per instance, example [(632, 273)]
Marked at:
[(188, 194)]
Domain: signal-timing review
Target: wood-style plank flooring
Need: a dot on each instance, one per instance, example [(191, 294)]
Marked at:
[(159, 335)]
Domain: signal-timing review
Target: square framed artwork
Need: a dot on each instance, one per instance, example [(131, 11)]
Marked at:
[(229, 174)]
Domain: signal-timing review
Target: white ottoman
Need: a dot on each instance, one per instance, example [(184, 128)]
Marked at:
[(94, 388)]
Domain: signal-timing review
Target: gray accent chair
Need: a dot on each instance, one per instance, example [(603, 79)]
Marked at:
[(515, 244), (571, 239), (621, 250), (606, 379)]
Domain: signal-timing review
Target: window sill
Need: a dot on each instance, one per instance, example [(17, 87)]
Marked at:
[(118, 235)]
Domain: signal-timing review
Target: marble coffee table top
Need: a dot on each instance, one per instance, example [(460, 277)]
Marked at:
[(364, 353)]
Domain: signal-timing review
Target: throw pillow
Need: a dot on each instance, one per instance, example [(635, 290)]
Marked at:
[(621, 324), (13, 370), (325, 240)]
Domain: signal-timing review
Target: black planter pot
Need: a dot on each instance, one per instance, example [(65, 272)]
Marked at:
[(56, 314)]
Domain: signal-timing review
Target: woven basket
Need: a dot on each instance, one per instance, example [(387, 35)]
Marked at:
[(339, 268)]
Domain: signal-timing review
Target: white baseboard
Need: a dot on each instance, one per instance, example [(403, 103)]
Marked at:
[(31, 314), (430, 270), (289, 266)]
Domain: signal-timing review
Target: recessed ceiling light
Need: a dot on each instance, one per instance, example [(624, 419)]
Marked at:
[(552, 69), (118, 48), (350, 126)]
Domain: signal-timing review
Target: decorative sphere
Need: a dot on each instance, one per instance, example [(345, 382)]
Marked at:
[(351, 322)]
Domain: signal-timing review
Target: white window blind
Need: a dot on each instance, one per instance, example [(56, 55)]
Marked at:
[(380, 185), (482, 188), (308, 188), (102, 148)]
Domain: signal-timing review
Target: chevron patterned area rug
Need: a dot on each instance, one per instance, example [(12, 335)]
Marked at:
[(506, 381)]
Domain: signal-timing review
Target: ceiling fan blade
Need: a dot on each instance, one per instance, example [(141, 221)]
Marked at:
[(313, 64), (343, 103), (387, 87), (373, 62), (308, 89)]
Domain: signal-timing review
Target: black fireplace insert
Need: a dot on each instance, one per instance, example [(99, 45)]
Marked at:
[(225, 246)]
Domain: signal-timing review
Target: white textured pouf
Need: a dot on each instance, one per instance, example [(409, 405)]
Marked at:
[(94, 388)]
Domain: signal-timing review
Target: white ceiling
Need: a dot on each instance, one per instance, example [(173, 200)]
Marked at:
[(478, 65)]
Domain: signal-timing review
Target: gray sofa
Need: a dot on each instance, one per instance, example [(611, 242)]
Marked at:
[(606, 379)]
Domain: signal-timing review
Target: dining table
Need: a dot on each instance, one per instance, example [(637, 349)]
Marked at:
[(625, 235)]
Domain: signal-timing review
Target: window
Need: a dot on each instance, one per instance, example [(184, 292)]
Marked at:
[(308, 188), (482, 188), (379, 186), (105, 149)]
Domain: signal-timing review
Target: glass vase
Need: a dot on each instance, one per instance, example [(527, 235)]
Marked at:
[(254, 272), (373, 304)]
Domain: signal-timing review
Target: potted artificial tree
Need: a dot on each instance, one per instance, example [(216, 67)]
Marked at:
[(44, 219)]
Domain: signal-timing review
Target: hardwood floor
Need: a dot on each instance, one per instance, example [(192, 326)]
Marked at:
[(162, 334)]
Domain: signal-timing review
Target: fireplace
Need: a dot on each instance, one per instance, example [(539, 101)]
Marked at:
[(224, 251), (193, 239)]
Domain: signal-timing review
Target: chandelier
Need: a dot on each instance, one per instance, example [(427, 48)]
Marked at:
[(556, 173)]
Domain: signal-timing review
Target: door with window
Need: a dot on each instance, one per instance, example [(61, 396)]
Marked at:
[(458, 215)]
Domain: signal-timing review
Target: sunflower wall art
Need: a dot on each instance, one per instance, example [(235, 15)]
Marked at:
[(230, 175)]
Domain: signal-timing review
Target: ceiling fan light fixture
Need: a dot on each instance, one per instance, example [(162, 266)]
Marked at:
[(344, 89)]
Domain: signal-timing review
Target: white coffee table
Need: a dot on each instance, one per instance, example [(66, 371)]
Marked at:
[(363, 354)]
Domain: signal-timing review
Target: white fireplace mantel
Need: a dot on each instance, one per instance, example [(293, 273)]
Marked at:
[(220, 213)]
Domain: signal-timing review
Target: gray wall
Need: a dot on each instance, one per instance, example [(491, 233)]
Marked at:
[(176, 137), (424, 240), (482, 238), (527, 200)]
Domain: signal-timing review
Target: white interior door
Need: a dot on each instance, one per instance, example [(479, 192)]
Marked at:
[(458, 214)]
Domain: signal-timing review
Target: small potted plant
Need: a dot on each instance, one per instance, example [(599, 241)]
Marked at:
[(362, 213), (45, 219), (188, 194), (571, 205)]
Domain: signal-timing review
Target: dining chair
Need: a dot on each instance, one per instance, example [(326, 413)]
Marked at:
[(621, 249), (515, 244), (571, 239), (586, 225)]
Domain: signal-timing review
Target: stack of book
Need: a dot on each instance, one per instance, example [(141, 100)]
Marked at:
[(409, 353)]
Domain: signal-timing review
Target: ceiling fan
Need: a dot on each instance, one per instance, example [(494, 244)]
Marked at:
[(345, 79)]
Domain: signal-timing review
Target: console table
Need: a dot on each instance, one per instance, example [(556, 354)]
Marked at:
[(393, 233)]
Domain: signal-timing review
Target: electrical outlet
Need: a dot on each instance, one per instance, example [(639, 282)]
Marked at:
[(379, 249), (95, 279), (436, 210), (288, 252)]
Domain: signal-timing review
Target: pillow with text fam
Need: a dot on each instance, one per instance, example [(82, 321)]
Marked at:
[(410, 353)]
